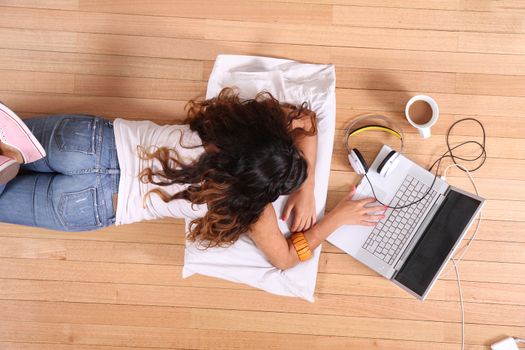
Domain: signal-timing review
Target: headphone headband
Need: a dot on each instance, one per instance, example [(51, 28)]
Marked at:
[(375, 127), (350, 131)]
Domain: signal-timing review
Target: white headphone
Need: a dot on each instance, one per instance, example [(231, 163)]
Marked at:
[(356, 159)]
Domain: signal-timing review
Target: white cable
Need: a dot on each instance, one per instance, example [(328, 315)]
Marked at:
[(461, 303), (455, 262)]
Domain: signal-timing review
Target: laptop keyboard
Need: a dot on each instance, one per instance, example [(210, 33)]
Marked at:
[(390, 235)]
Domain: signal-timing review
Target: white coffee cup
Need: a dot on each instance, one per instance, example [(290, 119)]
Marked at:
[(424, 129)]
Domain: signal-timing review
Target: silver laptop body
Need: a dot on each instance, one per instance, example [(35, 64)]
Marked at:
[(410, 246)]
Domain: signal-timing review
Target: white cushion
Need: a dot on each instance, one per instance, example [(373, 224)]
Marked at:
[(291, 82)]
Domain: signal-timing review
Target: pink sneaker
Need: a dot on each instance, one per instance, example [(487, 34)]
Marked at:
[(15, 133), (8, 169)]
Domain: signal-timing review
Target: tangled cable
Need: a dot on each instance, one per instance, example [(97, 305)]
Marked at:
[(447, 154)]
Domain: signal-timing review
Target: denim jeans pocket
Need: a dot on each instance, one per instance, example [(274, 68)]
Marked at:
[(77, 134), (79, 209)]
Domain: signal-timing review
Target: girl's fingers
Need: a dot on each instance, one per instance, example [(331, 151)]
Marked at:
[(295, 224), (298, 222), (367, 223), (308, 223), (375, 209), (287, 210), (374, 217), (365, 201), (303, 224)]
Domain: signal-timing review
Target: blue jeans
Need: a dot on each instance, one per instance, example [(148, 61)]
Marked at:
[(71, 188)]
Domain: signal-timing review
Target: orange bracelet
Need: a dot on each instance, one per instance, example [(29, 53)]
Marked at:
[(301, 246)]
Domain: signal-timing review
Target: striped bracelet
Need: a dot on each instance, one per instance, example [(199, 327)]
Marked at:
[(301, 246)]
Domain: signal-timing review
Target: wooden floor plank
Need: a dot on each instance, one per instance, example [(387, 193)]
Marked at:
[(37, 81), (46, 4), (25, 61), (458, 62), (394, 80), (89, 22), (492, 22), (485, 84), (433, 4), (159, 232), (513, 4), (333, 289), (491, 43), (471, 5), (223, 9), (110, 107), (201, 339), (150, 88), (315, 34), (47, 346)]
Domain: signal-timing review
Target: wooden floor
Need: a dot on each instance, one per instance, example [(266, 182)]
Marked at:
[(121, 288)]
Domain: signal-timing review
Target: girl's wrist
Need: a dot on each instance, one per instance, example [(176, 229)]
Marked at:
[(334, 218), (309, 182)]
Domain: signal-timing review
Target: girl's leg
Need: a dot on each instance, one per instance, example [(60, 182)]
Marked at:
[(71, 188), (59, 202)]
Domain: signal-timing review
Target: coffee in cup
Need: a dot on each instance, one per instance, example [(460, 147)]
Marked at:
[(422, 112)]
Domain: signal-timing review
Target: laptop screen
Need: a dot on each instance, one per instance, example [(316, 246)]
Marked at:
[(437, 241)]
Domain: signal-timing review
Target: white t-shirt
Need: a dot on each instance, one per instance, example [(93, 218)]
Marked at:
[(129, 136)]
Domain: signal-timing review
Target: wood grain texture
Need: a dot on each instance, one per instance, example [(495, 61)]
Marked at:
[(121, 287)]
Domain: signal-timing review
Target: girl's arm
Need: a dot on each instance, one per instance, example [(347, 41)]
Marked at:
[(280, 251), (302, 202)]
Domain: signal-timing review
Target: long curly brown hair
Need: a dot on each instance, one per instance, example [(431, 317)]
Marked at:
[(254, 161)]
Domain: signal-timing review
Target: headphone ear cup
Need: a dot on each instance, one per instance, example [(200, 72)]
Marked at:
[(357, 162), (388, 164)]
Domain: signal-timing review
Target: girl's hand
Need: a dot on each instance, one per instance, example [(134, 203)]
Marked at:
[(302, 203), (355, 212)]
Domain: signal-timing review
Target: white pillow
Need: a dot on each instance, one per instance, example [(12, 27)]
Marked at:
[(291, 82)]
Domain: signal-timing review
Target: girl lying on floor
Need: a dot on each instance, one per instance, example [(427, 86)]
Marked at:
[(222, 166)]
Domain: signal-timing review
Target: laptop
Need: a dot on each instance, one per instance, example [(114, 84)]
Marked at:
[(412, 245)]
